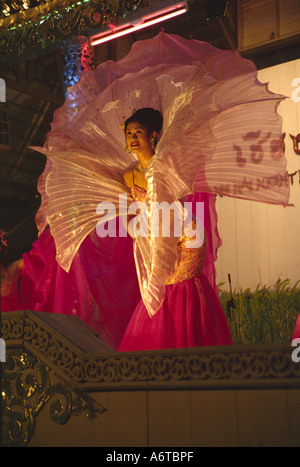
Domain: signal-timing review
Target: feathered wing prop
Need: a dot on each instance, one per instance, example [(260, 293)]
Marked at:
[(221, 134)]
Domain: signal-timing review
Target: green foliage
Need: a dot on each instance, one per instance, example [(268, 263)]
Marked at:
[(264, 316)]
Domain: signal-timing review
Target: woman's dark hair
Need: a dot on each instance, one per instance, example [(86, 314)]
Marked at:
[(148, 117)]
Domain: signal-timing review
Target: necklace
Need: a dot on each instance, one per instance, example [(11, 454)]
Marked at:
[(140, 167)]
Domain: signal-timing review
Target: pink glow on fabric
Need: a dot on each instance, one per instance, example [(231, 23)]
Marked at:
[(191, 316), (296, 333), (101, 287)]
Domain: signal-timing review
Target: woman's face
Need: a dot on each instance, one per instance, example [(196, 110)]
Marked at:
[(137, 138)]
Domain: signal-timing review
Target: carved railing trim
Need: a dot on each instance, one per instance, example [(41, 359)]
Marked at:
[(257, 366)]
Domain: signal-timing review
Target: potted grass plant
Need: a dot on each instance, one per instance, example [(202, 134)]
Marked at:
[(266, 315)]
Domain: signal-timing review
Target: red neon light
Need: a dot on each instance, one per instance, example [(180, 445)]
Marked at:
[(143, 24)]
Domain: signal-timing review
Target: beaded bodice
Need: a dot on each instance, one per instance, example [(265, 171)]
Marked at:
[(190, 261), (138, 193)]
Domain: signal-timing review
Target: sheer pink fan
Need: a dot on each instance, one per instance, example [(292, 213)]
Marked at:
[(221, 134)]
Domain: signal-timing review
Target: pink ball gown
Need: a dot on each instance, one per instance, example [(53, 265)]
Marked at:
[(91, 290), (191, 314)]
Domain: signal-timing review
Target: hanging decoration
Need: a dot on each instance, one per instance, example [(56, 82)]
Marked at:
[(78, 57), (29, 27)]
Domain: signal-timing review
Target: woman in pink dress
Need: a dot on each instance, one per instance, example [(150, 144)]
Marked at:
[(221, 135), (191, 314)]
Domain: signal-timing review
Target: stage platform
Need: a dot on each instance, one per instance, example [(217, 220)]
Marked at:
[(62, 386)]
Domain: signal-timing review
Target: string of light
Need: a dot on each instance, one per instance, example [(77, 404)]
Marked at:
[(146, 21)]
